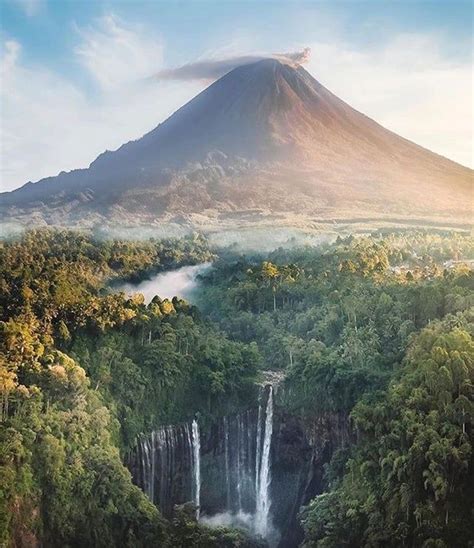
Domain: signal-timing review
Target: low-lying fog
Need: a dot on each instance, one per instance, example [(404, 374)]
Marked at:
[(173, 283), (240, 520)]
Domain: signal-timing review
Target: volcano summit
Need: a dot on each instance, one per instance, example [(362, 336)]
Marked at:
[(264, 143)]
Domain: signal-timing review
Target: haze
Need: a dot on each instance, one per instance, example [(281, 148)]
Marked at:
[(180, 283)]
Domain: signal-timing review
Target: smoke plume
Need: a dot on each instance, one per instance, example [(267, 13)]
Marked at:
[(211, 69)]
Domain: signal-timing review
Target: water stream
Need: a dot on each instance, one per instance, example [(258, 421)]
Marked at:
[(238, 462), (263, 475), (196, 444)]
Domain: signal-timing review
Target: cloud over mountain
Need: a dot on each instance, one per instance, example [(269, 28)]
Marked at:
[(211, 69), (53, 122), (265, 140)]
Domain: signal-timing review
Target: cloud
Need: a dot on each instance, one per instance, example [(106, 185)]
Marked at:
[(114, 53), (50, 123), (295, 57), (10, 54), (409, 85), (29, 7), (211, 69)]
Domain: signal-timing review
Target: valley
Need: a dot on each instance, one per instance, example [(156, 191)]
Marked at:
[(249, 418), (236, 274)]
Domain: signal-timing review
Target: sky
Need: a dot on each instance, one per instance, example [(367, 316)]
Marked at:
[(77, 76)]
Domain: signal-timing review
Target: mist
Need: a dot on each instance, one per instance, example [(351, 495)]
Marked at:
[(179, 283), (228, 519), (239, 520), (265, 239), (211, 69)]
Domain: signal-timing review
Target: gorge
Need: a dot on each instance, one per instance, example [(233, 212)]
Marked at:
[(279, 409), (252, 470)]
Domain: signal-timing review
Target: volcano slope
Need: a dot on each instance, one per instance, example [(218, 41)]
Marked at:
[(266, 143)]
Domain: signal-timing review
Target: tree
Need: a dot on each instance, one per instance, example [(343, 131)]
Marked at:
[(409, 482)]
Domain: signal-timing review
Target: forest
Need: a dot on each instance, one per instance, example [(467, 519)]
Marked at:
[(379, 329), (376, 328)]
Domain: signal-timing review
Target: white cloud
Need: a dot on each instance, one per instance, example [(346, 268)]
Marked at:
[(29, 7), (10, 55), (50, 124), (409, 86), (115, 54), (209, 69)]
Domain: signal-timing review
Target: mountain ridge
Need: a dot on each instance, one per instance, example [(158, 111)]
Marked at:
[(267, 137)]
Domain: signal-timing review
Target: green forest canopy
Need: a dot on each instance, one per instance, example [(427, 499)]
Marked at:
[(376, 327)]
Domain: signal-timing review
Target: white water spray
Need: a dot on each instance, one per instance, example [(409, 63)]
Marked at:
[(226, 461), (196, 466), (258, 449), (262, 509)]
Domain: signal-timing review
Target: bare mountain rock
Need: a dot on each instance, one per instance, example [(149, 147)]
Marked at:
[(264, 141)]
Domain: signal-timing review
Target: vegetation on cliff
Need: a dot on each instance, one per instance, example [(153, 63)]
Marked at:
[(83, 371), (378, 328)]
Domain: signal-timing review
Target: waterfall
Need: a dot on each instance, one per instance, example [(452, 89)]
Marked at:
[(226, 460), (245, 464), (249, 452), (196, 466), (163, 466), (153, 460), (258, 447), (240, 469), (262, 507), (235, 465)]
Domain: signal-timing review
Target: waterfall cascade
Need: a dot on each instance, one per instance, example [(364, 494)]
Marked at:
[(237, 466), (196, 444), (249, 470), (165, 466), (263, 475), (246, 451)]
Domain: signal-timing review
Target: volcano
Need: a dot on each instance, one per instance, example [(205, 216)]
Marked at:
[(264, 142)]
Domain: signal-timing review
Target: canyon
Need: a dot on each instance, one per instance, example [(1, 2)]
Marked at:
[(253, 469)]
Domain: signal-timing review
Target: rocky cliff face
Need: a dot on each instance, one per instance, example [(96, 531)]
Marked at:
[(250, 474), (302, 448)]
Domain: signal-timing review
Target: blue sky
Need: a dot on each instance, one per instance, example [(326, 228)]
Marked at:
[(74, 72)]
